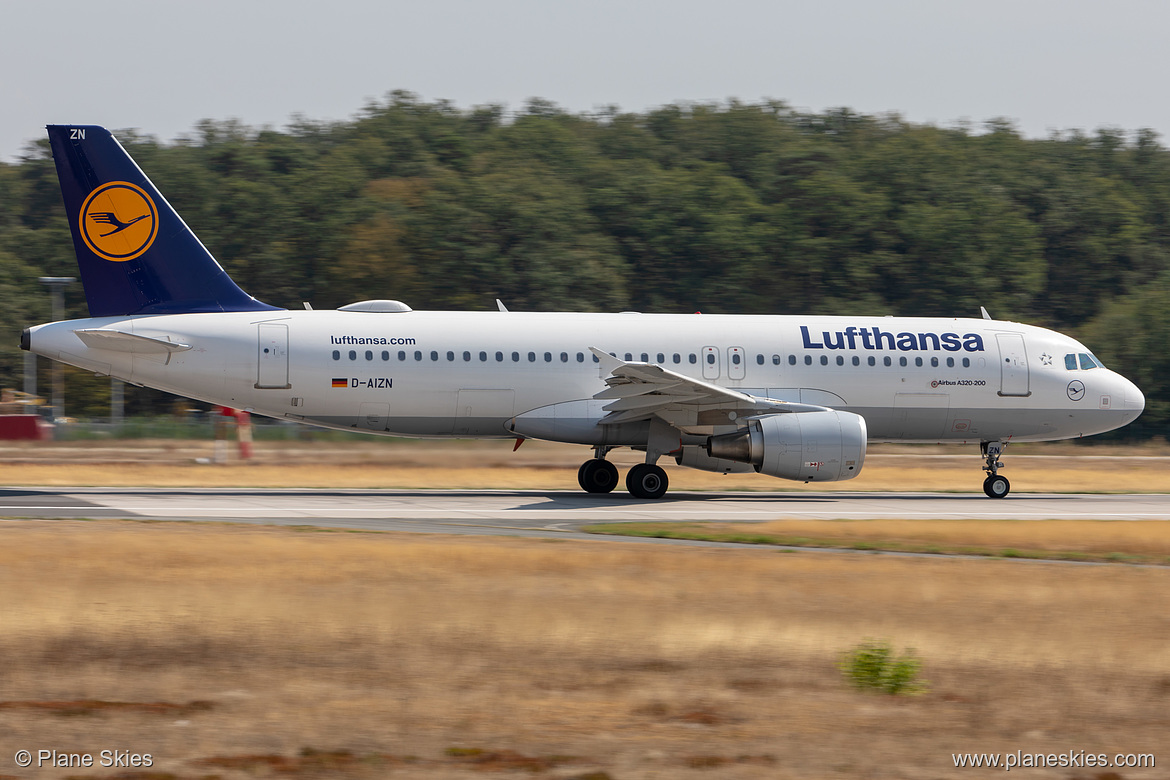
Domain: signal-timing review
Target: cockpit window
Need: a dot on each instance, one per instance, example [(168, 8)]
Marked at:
[(1087, 361), (1070, 362)]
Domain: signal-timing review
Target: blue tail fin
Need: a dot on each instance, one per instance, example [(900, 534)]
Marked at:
[(135, 254)]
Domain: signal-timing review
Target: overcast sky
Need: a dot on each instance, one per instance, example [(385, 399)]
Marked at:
[(161, 66)]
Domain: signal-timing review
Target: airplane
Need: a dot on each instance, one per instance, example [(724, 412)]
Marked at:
[(794, 397)]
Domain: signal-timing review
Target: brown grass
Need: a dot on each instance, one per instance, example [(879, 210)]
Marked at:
[(545, 466), (363, 655)]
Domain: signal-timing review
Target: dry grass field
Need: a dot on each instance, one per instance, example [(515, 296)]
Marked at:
[(1059, 467), (243, 652)]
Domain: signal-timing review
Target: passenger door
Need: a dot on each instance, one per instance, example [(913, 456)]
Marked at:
[(1013, 365), (272, 356)]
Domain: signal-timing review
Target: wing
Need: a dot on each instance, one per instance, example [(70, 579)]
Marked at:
[(640, 391)]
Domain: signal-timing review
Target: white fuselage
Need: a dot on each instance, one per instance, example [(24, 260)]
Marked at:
[(473, 374)]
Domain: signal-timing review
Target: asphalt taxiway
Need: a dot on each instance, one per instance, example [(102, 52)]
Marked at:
[(546, 513)]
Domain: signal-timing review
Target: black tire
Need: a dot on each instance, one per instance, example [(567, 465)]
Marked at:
[(996, 486), (597, 476), (646, 481)]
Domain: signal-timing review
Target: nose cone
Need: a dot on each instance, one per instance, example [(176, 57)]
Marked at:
[(1135, 402)]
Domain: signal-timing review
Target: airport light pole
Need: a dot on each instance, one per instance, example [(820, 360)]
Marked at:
[(57, 285)]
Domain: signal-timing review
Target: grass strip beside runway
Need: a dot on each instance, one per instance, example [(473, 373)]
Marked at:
[(1101, 541)]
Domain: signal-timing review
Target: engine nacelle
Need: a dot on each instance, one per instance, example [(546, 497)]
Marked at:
[(697, 458), (826, 446)]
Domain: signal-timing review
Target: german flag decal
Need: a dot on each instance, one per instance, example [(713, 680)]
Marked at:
[(340, 382)]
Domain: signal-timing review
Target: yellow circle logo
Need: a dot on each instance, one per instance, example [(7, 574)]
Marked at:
[(119, 221)]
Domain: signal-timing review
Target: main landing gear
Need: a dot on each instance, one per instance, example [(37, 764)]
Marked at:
[(995, 486), (597, 476), (644, 480)]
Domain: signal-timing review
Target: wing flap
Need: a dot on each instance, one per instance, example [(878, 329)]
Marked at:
[(640, 391)]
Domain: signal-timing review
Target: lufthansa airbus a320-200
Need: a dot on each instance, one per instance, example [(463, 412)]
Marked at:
[(795, 397)]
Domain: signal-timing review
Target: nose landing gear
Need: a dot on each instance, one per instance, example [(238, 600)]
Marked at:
[(995, 486)]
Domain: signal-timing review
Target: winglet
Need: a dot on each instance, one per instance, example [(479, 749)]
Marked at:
[(608, 361)]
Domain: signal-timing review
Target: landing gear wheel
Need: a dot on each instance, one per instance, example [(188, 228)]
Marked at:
[(597, 476), (996, 486), (646, 481)]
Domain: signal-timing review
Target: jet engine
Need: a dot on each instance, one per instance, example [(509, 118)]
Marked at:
[(697, 458), (823, 446)]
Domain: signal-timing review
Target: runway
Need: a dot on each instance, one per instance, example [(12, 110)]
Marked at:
[(546, 513)]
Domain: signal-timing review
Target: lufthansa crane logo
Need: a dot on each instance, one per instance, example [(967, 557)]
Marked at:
[(118, 221)]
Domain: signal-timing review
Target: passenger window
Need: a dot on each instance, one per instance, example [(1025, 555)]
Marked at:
[(808, 360), (824, 360), (759, 360), (402, 354), (710, 358), (629, 357), (369, 354), (596, 359), (450, 355), (775, 360), (966, 362), (531, 357), (840, 360), (934, 362), (792, 360), (872, 361), (482, 357), (886, 361), (580, 357), (499, 357), (645, 358), (515, 357), (677, 358), (434, 354), (1086, 361), (661, 358), (856, 360), (564, 357), (466, 356), (547, 357), (902, 362), (918, 362), (950, 362), (337, 354), (385, 355), (1070, 362), (693, 358), (418, 354), (353, 354), (735, 358)]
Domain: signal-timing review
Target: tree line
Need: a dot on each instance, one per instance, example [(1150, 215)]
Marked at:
[(731, 207)]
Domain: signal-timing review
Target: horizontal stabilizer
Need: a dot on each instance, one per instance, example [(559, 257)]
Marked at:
[(121, 341)]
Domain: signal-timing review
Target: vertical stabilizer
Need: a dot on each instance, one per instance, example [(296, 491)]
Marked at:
[(135, 254)]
